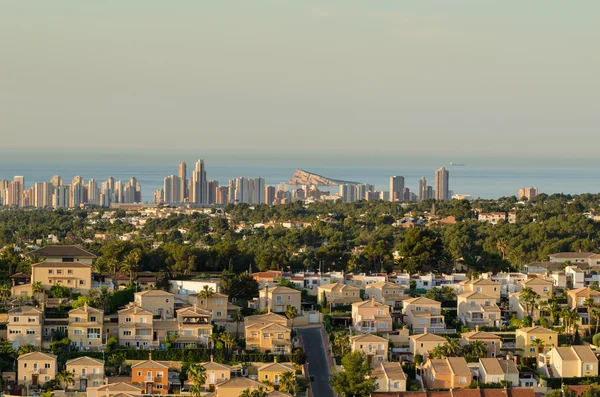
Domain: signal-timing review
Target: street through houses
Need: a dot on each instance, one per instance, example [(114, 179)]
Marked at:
[(318, 363)]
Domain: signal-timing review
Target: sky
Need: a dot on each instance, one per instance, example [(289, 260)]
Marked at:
[(275, 77)]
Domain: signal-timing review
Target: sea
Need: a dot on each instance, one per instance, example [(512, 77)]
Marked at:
[(478, 177)]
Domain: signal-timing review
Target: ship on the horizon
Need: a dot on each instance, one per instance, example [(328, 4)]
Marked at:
[(456, 164)]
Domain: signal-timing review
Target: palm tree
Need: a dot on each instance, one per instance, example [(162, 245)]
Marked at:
[(65, 377), (197, 374), (37, 288), (206, 293), (554, 311), (238, 317), (291, 312), (24, 349), (539, 344), (502, 246), (131, 264), (5, 292), (287, 382), (590, 305), (476, 349), (529, 297), (596, 313), (227, 340), (341, 341)]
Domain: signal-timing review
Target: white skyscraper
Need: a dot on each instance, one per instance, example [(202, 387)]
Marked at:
[(198, 184), (396, 188), (172, 189), (442, 177)]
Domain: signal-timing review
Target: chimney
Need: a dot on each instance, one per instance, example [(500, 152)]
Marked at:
[(275, 359), (211, 358), (150, 355), (425, 330), (477, 328)]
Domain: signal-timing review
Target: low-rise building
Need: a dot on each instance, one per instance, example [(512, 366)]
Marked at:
[(86, 327), (86, 372), (526, 336), (492, 342), (338, 294), (160, 303), (544, 288), (370, 316), (77, 276), (390, 377), (476, 308), (271, 372), (36, 368), (136, 327), (492, 217), (494, 370), (268, 318), (154, 375), (216, 304), (388, 293), (193, 327), (216, 373), (235, 386), (576, 300), (25, 326), (484, 286), (420, 313), (278, 299), (272, 337), (423, 344), (374, 347), (569, 362), (447, 373)]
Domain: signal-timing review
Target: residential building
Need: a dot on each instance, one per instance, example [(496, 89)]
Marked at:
[(370, 316), (263, 319), (267, 279), (86, 327), (476, 308), (277, 299), (216, 373), (484, 286), (76, 276), (117, 389), (389, 376), (160, 303), (217, 304), (576, 301), (544, 288), (135, 327), (272, 337), (154, 375), (569, 362), (25, 326), (64, 253), (527, 192), (423, 313), (338, 294), (36, 368), (442, 177), (235, 386), (193, 327), (374, 347), (571, 257), (271, 372), (423, 344), (494, 370), (388, 293), (492, 217), (525, 337), (492, 342), (447, 373), (86, 372)]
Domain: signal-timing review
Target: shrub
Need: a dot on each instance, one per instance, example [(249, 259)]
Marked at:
[(596, 340)]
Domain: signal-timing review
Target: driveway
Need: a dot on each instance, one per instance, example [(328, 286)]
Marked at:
[(317, 361)]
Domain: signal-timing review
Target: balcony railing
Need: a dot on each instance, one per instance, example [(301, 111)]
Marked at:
[(367, 329)]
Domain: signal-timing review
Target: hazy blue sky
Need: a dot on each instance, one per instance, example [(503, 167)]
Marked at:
[(391, 77)]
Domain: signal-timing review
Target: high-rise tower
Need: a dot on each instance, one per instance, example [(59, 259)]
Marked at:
[(441, 184)]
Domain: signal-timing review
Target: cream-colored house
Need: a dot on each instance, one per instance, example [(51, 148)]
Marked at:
[(272, 337), (390, 294), (420, 313), (423, 344), (544, 288), (217, 304), (476, 308), (25, 326), (216, 373), (235, 386), (193, 326), (136, 327), (576, 299), (390, 377), (569, 362), (494, 370), (447, 373), (492, 342), (271, 372), (278, 299), (484, 286), (525, 337), (86, 327), (370, 316), (86, 372), (374, 347), (117, 389), (338, 294), (64, 253), (76, 276), (36, 368), (160, 303), (268, 318)]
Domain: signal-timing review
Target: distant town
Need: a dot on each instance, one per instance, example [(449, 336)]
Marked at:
[(197, 190)]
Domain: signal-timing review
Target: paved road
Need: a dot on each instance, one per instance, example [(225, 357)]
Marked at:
[(317, 361)]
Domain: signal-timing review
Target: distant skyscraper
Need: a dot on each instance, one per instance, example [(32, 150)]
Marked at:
[(282, 186), (222, 195), (183, 187), (442, 177), (527, 192), (269, 194), (212, 191), (347, 193), (93, 192), (362, 190), (172, 189), (56, 181), (198, 184), (423, 189), (396, 187)]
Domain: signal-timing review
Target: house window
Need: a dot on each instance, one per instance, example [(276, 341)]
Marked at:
[(396, 385), (46, 378), (550, 337), (379, 358), (266, 377), (159, 374), (47, 365), (267, 336), (532, 338), (24, 365), (139, 373), (493, 343), (219, 314), (127, 319), (421, 345), (30, 332), (588, 367), (279, 336), (462, 380), (167, 300), (50, 271), (532, 350), (93, 318), (59, 271), (81, 282), (159, 386), (15, 319), (126, 333), (219, 302), (69, 271), (77, 332)]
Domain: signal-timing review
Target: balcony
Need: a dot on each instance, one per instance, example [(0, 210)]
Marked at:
[(152, 379), (367, 330), (39, 371)]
